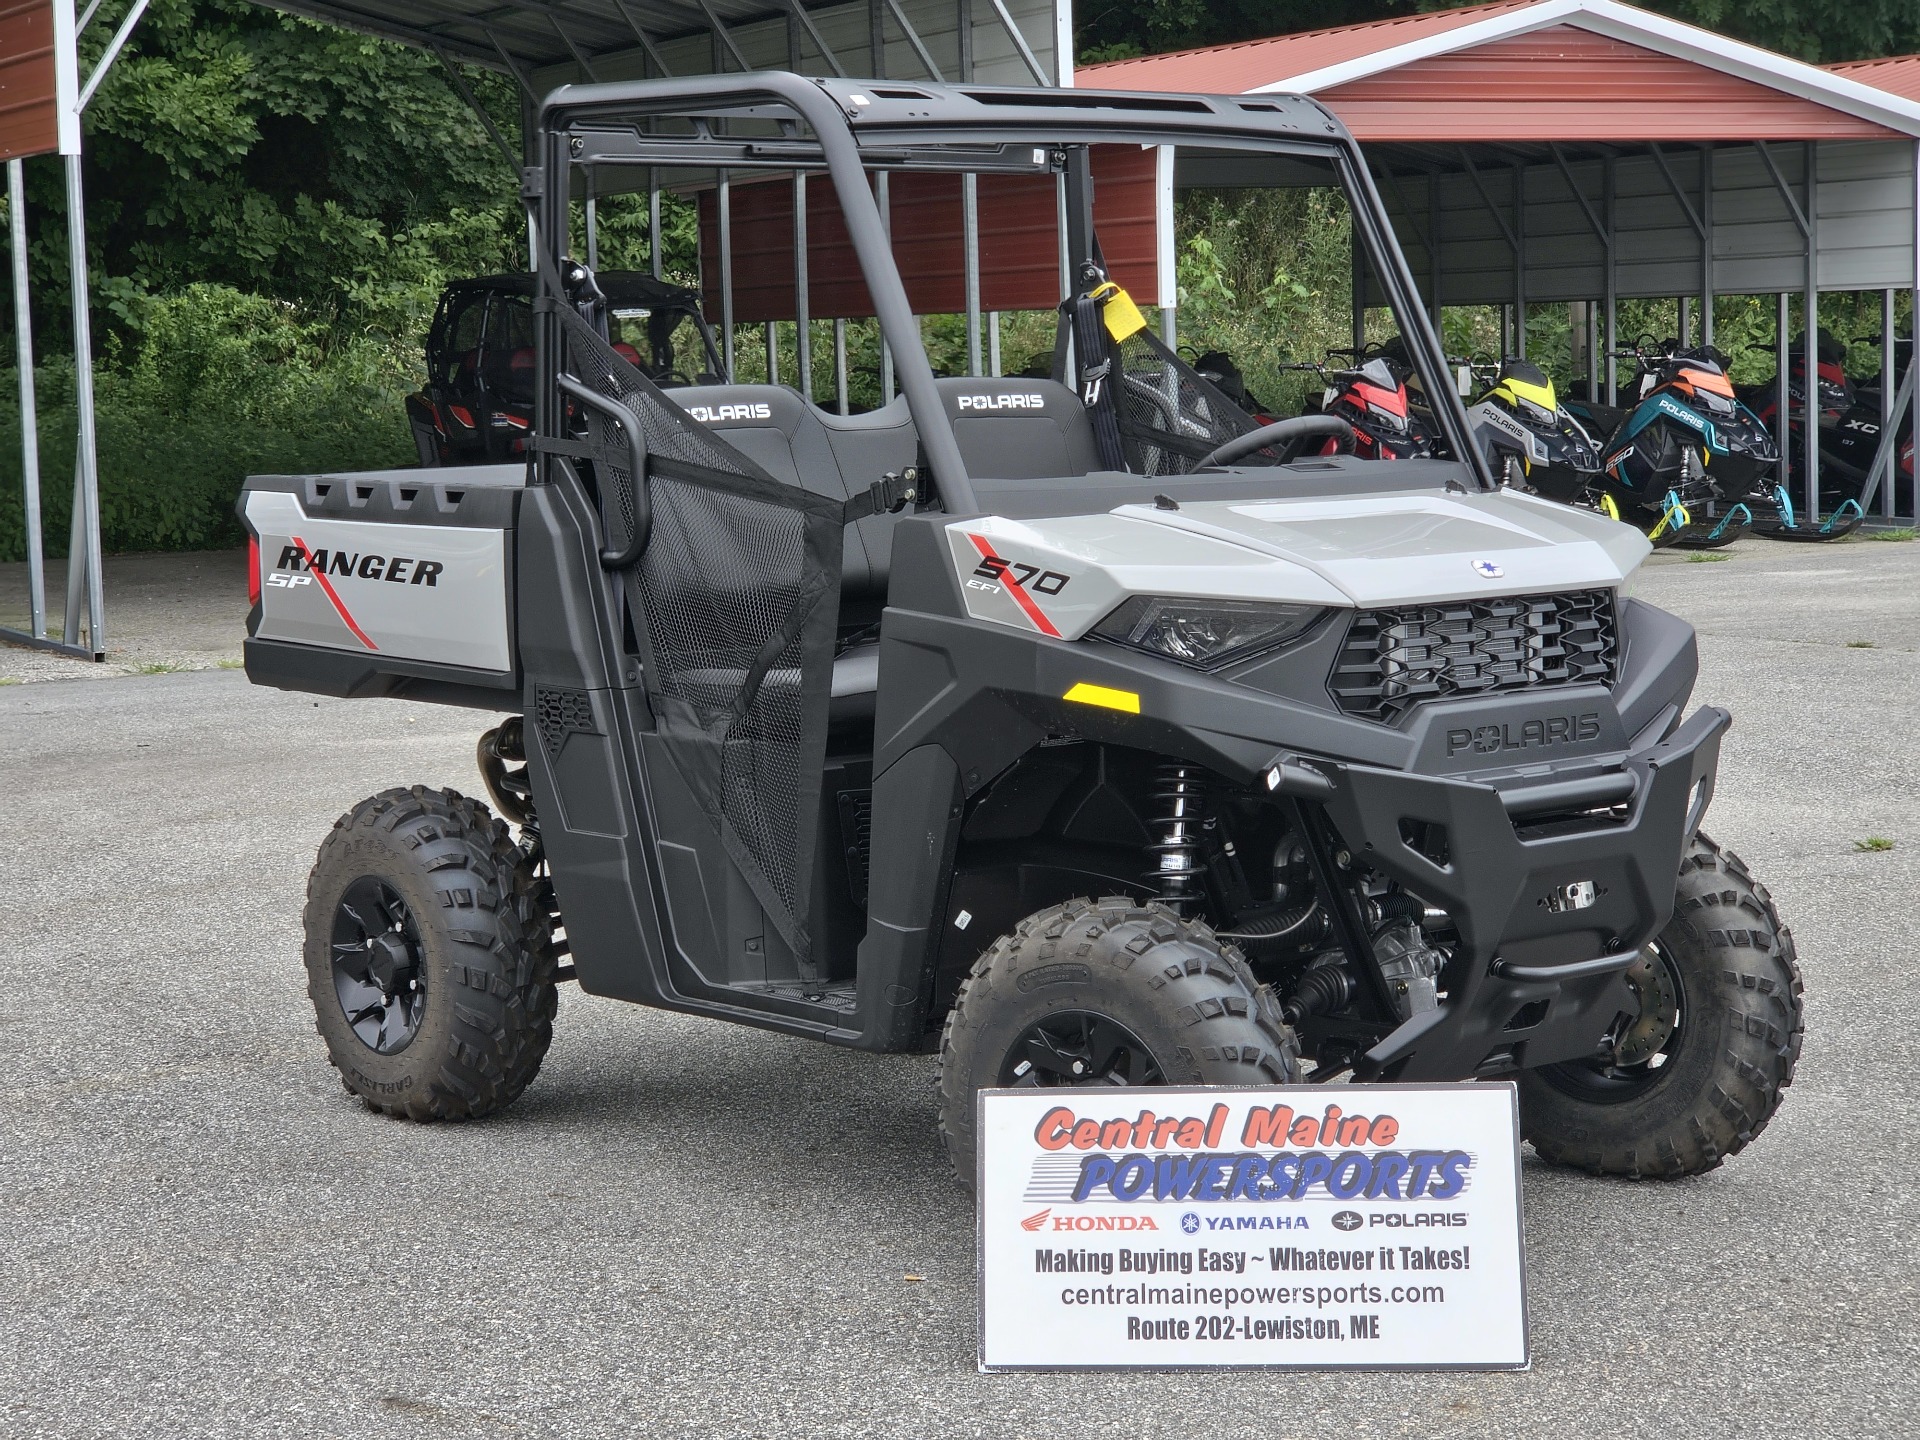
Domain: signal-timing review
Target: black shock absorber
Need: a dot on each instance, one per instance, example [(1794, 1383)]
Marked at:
[(1180, 804)]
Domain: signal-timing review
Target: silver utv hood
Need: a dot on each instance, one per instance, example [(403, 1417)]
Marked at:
[(1368, 551)]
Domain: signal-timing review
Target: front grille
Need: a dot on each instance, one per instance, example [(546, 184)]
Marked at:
[(1395, 659)]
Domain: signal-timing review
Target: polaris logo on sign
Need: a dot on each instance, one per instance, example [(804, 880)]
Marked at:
[(1028, 400), (716, 414)]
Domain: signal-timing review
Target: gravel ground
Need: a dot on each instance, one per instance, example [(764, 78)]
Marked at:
[(690, 1229), (164, 612)]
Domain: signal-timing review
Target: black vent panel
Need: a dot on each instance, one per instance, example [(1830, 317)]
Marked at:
[(1395, 659), (560, 713)]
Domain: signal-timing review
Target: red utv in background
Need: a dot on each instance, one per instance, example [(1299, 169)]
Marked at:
[(477, 404)]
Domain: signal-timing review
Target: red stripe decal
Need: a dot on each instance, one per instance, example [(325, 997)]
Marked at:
[(1015, 588), (326, 586)]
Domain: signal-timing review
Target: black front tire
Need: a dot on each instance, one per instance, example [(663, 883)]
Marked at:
[(457, 915), (1732, 982), (1152, 982)]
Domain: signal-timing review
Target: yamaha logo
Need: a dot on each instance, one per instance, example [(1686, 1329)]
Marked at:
[(1487, 570), (1028, 400), (1190, 1223)]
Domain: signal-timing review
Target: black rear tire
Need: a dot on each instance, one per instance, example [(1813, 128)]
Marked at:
[(451, 1016), (1729, 977), (1133, 978)]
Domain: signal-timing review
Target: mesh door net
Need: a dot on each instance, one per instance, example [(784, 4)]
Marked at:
[(1169, 416), (737, 589)]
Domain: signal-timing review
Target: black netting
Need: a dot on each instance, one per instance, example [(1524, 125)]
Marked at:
[(737, 588), (1169, 416)]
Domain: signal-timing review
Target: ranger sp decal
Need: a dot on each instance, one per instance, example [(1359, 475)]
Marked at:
[(319, 573)]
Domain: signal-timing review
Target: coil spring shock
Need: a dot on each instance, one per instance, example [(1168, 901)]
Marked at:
[(1180, 802)]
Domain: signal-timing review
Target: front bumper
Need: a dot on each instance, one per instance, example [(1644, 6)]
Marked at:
[(1532, 982)]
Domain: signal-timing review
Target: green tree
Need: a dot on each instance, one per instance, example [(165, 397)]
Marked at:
[(242, 146)]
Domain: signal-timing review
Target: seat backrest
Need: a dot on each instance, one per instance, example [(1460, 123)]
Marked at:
[(1017, 429), (832, 455)]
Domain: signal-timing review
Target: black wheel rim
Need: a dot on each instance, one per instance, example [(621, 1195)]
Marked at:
[(378, 974), (1641, 1052), (1078, 1047)]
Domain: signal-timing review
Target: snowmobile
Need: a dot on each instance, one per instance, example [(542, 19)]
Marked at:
[(1689, 441), (1371, 395)]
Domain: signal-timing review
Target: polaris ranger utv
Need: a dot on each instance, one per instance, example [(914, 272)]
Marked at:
[(1086, 728)]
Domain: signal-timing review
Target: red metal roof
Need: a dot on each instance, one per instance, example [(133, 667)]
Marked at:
[(1562, 81), (1565, 83), (1897, 74), (1249, 64)]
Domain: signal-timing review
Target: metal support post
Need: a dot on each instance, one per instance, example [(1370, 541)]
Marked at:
[(1686, 321), (593, 227), (653, 221), (772, 333), (1706, 244), (802, 298), (725, 203), (1520, 260), (1359, 293), (970, 261), (840, 365), (1782, 397), (882, 195), (29, 417), (86, 461), (993, 343), (1433, 254), (1887, 364), (1811, 340), (1612, 299)]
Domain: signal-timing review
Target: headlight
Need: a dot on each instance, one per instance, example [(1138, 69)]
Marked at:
[(1206, 634), (1538, 415)]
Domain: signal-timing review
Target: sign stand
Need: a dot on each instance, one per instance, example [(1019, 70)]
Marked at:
[(1372, 1227)]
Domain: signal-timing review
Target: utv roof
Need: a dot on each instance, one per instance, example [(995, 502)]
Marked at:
[(883, 112), (621, 287)]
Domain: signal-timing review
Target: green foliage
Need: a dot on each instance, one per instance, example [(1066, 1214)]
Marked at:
[(1873, 844), (240, 145), (225, 385)]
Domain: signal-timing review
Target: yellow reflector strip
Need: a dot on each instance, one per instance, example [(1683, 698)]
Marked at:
[(1104, 696)]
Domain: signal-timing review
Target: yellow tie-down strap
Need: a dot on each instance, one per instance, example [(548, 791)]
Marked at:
[(1122, 316)]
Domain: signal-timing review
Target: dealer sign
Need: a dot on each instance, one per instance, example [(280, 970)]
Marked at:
[(1372, 1227)]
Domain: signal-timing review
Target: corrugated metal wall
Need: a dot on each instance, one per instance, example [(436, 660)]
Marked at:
[(1865, 223)]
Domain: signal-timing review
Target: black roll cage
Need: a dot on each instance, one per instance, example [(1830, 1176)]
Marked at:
[(859, 125)]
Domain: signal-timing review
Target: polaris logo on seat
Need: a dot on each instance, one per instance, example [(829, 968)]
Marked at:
[(1027, 400), (716, 414)]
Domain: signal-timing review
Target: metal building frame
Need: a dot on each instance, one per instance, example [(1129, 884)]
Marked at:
[(1507, 207), (84, 589)]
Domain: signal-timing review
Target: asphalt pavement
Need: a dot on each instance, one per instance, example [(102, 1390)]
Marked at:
[(685, 1228)]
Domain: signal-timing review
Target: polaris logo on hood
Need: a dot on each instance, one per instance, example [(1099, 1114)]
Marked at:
[(1026, 400), (715, 414)]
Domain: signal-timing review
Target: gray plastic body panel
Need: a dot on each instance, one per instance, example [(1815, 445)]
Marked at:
[(392, 566)]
